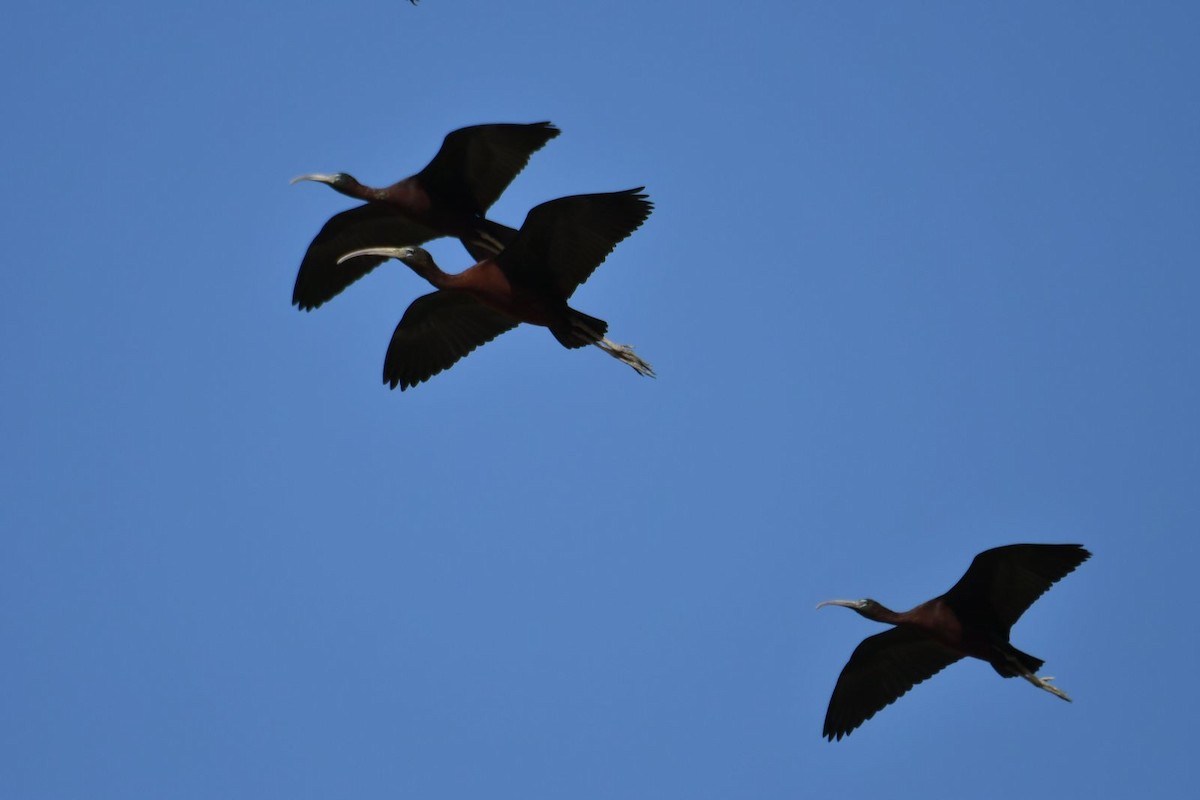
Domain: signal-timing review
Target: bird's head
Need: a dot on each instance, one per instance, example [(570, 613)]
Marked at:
[(868, 608)]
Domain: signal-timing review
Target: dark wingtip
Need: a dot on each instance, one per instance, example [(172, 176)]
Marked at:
[(547, 130), (394, 381), (639, 193), (1081, 552), (305, 304), (1084, 555)]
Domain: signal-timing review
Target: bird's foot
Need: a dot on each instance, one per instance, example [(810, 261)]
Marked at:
[(488, 241), (1043, 682), (625, 354)]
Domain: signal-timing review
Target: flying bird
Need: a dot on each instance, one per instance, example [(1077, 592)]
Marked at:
[(557, 248), (450, 197), (972, 619)]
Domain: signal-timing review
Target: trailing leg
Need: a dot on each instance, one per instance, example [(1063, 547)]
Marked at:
[(1044, 683), (624, 353)]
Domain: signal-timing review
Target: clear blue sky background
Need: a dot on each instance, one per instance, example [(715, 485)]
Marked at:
[(921, 281)]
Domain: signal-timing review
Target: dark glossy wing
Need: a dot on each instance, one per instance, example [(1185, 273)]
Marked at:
[(437, 330), (882, 668), (564, 240), (321, 278), (475, 165), (1003, 582)]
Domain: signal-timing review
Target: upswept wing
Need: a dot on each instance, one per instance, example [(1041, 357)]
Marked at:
[(475, 165), (564, 240), (1003, 582)]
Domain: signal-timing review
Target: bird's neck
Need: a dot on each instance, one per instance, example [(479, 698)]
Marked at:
[(352, 188), (431, 272), (398, 193), (881, 613)]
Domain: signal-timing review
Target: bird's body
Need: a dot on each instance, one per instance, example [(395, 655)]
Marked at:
[(486, 282), (449, 197), (973, 619), (530, 281)]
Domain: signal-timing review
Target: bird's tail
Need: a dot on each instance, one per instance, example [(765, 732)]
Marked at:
[(1013, 663), (579, 330), (487, 239)]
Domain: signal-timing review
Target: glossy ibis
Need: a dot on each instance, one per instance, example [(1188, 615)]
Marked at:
[(447, 198), (560, 244), (972, 619)]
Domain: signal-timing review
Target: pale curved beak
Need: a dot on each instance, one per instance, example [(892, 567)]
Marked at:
[(385, 252), (843, 603), (316, 176)]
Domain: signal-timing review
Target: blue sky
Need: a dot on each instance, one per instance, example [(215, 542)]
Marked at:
[(921, 280)]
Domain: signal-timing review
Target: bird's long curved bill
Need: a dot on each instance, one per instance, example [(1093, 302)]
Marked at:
[(843, 603), (316, 176), (385, 252)]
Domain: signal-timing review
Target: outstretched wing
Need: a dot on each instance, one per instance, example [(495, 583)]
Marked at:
[(1003, 582), (564, 240), (475, 165), (437, 330), (321, 278), (882, 668)]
